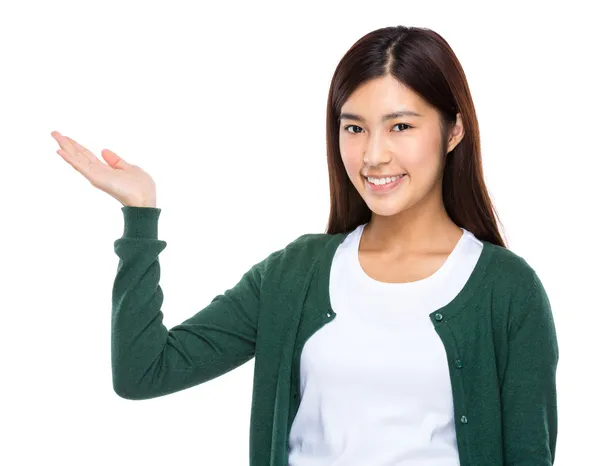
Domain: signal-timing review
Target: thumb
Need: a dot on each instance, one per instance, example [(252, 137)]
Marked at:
[(113, 159)]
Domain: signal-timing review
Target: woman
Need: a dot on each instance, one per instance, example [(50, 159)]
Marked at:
[(406, 334)]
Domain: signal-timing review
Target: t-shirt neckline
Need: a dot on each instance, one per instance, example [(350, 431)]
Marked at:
[(360, 274)]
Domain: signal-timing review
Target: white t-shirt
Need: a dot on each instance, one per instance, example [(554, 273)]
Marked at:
[(384, 399)]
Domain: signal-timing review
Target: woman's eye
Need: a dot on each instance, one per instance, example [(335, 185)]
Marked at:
[(402, 124), (351, 126)]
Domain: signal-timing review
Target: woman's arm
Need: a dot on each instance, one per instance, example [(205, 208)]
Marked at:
[(147, 359), (529, 407)]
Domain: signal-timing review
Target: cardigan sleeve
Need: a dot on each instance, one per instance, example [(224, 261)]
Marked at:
[(528, 392), (149, 360)]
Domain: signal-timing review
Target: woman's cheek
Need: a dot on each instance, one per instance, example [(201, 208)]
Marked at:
[(351, 159)]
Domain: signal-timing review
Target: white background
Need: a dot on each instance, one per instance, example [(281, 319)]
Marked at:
[(225, 107)]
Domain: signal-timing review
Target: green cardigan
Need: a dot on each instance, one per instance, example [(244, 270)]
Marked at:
[(498, 332)]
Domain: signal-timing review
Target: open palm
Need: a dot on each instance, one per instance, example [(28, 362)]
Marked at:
[(127, 183)]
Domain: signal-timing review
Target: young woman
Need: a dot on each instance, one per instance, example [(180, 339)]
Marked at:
[(406, 334)]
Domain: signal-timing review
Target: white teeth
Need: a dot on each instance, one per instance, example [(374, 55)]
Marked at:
[(381, 181)]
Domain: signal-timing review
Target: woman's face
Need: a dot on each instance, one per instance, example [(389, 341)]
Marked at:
[(405, 144)]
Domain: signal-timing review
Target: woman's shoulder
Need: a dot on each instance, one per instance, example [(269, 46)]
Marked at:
[(300, 253), (507, 265), (513, 279)]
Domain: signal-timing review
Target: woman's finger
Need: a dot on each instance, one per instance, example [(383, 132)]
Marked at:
[(64, 143), (82, 151), (78, 156), (79, 147)]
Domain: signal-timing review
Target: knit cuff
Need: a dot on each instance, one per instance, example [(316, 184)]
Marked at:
[(140, 222)]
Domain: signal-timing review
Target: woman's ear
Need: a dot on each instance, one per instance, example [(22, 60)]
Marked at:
[(456, 133)]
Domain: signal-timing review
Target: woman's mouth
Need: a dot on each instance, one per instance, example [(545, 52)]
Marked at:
[(383, 185)]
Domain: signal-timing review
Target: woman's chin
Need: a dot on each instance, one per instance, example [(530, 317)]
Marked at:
[(385, 208)]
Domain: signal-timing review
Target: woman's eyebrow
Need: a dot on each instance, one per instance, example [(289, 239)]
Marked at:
[(389, 116)]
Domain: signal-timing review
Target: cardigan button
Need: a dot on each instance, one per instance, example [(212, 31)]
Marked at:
[(458, 363), (463, 419), (439, 317)]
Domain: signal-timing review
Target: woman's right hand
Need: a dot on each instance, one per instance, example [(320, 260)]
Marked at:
[(127, 183)]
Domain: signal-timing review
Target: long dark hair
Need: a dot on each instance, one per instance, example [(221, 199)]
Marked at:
[(423, 61)]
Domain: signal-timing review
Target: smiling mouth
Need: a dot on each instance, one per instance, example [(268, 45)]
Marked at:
[(384, 188), (395, 178), (383, 176)]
